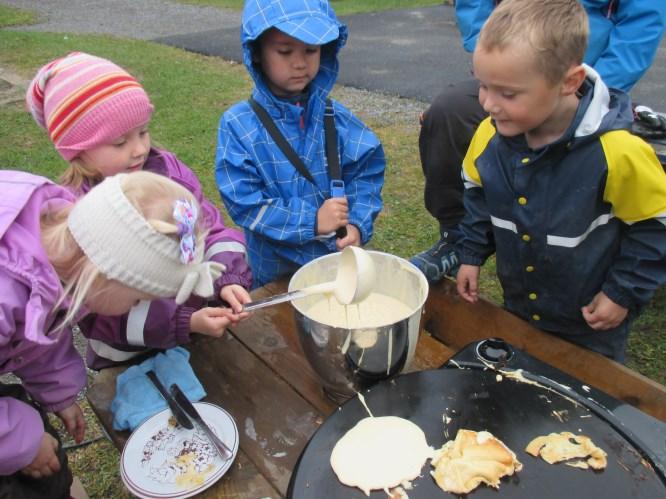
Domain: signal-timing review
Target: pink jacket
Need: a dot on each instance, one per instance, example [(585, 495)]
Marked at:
[(161, 323), (51, 369)]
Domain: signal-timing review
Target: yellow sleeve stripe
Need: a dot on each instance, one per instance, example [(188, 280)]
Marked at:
[(479, 142), (636, 183)]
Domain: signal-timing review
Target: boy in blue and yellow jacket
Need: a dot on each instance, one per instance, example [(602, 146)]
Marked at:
[(573, 205), (290, 49)]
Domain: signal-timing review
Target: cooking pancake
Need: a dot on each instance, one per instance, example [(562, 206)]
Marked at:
[(575, 450), (380, 453), (472, 459), (511, 410)]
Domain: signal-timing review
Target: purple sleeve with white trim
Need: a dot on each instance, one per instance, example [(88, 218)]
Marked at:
[(223, 244)]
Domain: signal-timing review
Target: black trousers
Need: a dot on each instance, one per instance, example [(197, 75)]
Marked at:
[(20, 486), (448, 126)]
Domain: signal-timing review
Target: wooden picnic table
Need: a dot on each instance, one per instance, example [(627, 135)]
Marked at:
[(258, 373)]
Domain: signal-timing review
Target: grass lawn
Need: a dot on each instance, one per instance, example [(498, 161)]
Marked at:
[(341, 7), (9, 16), (190, 92)]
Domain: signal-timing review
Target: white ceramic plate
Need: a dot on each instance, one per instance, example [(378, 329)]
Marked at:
[(165, 461)]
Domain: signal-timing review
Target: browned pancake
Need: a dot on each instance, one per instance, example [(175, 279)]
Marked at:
[(471, 459), (576, 450)]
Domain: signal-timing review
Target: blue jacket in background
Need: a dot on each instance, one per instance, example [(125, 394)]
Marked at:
[(622, 43), (584, 214), (262, 191)]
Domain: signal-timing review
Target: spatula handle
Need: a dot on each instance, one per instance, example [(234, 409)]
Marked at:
[(273, 300)]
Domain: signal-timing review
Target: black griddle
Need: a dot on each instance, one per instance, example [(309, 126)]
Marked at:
[(466, 390)]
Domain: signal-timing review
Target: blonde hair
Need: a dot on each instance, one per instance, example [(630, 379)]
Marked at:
[(151, 194), (77, 174), (556, 31)]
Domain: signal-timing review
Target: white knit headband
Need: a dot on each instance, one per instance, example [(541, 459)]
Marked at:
[(123, 246)]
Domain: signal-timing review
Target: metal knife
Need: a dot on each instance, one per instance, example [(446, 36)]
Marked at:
[(180, 415), (188, 407)]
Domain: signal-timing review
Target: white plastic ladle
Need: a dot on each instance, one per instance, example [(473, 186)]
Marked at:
[(353, 282)]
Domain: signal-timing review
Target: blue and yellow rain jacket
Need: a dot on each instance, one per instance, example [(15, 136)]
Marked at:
[(262, 191), (583, 214)]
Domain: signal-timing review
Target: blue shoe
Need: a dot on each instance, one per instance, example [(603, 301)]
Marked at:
[(437, 262)]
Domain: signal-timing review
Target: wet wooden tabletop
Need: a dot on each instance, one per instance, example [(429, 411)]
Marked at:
[(258, 373)]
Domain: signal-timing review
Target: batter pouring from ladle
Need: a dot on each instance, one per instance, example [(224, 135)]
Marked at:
[(354, 281)]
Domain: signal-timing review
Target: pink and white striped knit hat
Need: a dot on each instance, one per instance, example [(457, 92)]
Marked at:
[(84, 101)]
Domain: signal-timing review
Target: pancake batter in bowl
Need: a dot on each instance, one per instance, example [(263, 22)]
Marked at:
[(376, 310)]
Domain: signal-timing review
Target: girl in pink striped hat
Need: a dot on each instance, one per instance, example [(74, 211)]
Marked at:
[(97, 116)]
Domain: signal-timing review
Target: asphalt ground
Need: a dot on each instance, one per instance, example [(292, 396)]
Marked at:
[(410, 53)]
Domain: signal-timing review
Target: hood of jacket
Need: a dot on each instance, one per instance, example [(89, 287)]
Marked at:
[(311, 21), (25, 197), (603, 109)]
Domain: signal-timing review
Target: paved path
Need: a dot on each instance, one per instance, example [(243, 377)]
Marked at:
[(140, 19), (410, 53)]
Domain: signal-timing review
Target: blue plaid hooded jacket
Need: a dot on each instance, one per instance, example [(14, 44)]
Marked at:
[(262, 191)]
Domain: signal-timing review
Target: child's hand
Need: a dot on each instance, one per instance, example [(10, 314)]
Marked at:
[(236, 296), (74, 422), (213, 321), (332, 215), (467, 282), (46, 461), (353, 238), (603, 313)]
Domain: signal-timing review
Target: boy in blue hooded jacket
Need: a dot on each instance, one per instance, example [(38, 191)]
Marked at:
[(290, 217)]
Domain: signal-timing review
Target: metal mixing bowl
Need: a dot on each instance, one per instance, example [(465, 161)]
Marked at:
[(349, 360)]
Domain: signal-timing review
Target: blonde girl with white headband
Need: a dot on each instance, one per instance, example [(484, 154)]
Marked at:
[(131, 238), (97, 116)]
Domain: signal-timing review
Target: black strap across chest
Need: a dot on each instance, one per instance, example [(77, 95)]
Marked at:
[(330, 135)]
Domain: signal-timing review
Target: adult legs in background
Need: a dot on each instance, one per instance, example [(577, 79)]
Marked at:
[(446, 131)]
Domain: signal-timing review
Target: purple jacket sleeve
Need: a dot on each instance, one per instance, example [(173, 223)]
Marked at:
[(21, 431), (223, 244), (150, 324), (56, 375), (53, 373)]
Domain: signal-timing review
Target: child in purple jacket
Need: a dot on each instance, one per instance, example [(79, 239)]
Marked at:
[(97, 116), (133, 237)]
